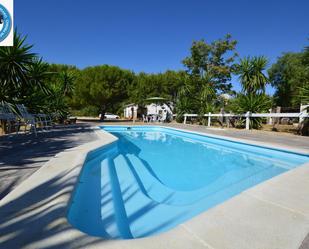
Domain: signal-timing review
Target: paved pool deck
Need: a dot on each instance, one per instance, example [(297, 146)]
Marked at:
[(21, 155), (277, 138), (272, 215)]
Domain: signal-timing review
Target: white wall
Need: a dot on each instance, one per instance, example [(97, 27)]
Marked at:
[(151, 109), (128, 111), (154, 109)]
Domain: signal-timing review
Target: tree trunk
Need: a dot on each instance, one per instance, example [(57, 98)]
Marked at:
[(304, 128), (103, 111)]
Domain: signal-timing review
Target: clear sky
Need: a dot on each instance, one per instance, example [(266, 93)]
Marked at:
[(155, 35)]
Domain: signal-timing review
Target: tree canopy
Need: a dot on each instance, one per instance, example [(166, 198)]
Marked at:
[(212, 62), (26, 78), (209, 70), (103, 87), (165, 85), (290, 76)]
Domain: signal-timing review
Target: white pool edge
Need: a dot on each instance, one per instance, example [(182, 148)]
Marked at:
[(262, 212)]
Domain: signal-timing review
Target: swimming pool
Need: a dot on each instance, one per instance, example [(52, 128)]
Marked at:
[(154, 178)]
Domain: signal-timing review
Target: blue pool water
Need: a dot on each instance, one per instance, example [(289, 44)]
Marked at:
[(154, 178)]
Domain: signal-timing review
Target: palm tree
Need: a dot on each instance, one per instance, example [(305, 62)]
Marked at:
[(35, 93), (14, 62), (67, 82), (250, 71), (38, 74)]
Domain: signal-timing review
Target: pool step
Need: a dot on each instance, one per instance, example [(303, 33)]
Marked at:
[(108, 217), (92, 209), (161, 193), (155, 189), (143, 215), (114, 201)]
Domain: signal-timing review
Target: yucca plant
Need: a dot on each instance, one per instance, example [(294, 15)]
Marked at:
[(36, 91), (251, 76), (61, 90), (38, 74), (67, 79), (57, 104), (254, 103), (14, 62)]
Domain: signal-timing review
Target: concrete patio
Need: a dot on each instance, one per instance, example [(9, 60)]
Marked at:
[(21, 155), (36, 191)]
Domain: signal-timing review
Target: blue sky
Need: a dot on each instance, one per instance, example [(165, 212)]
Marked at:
[(153, 36)]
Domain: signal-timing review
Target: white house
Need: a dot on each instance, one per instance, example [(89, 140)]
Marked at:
[(159, 108), (150, 109), (129, 110)]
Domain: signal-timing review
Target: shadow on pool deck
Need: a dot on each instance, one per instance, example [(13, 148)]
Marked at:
[(35, 217), (21, 155)]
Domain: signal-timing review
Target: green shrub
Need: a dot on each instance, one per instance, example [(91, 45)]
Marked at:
[(254, 103), (88, 111), (179, 118)]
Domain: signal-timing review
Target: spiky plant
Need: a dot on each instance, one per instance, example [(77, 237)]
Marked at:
[(254, 103), (14, 62), (251, 76)]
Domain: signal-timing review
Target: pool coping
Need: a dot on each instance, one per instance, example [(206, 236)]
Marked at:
[(259, 217)]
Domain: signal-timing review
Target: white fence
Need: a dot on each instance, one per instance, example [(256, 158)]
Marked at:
[(248, 115)]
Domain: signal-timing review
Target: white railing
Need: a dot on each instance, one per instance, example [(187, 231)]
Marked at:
[(248, 115)]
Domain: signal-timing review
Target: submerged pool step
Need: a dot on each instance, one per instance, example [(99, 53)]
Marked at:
[(143, 215), (120, 198), (137, 214), (92, 209), (161, 193), (155, 189), (108, 217)]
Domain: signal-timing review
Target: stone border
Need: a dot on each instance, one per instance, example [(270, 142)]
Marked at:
[(273, 214)]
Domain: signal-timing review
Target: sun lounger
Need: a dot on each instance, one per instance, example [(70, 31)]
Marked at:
[(28, 118), (8, 117)]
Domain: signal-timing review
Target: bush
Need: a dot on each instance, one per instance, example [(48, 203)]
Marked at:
[(179, 118), (88, 111), (254, 103)]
